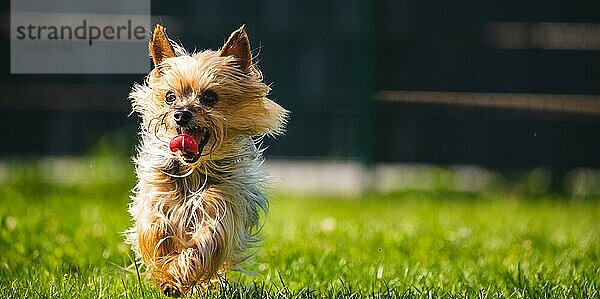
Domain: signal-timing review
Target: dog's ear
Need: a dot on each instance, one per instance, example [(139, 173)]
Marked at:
[(160, 47), (257, 117), (238, 46), (273, 120)]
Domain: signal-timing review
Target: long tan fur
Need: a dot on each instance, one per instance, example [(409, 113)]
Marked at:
[(194, 221)]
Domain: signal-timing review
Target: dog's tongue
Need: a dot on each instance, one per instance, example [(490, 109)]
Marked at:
[(184, 143)]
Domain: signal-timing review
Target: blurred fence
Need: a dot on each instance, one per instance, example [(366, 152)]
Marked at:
[(328, 62)]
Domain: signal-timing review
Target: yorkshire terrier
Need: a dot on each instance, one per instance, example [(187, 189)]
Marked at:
[(198, 199)]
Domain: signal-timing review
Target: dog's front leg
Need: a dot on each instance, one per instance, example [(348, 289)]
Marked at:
[(171, 263), (196, 263), (158, 248), (199, 246)]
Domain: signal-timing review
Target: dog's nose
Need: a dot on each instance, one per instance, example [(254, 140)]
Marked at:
[(182, 117)]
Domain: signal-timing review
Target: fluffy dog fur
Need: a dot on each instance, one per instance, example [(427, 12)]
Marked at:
[(195, 218)]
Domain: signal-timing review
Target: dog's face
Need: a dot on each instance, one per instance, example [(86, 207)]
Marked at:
[(196, 106)]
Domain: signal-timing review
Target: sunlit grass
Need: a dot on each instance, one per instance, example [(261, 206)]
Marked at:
[(64, 240)]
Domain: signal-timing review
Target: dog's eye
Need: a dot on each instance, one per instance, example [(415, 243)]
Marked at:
[(208, 98), (170, 98)]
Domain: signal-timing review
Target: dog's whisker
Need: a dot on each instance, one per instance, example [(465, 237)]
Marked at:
[(189, 172), (162, 120)]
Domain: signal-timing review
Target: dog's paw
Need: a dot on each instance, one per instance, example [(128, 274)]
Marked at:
[(170, 290)]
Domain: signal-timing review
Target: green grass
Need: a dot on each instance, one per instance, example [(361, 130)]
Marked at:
[(62, 240)]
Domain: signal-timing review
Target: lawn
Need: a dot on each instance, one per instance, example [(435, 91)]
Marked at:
[(63, 239)]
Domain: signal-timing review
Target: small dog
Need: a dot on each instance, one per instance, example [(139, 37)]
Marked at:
[(198, 198)]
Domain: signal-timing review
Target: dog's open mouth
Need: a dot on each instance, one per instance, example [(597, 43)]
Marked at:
[(190, 143)]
